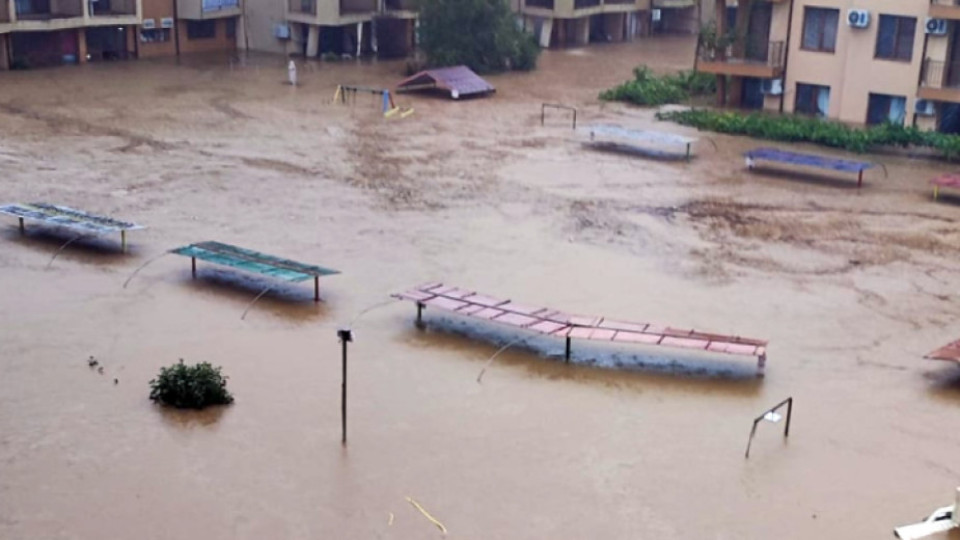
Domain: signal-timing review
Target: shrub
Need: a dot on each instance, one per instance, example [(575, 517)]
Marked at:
[(647, 89), (793, 128), (190, 387), (480, 34)]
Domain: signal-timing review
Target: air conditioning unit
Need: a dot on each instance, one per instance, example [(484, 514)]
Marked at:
[(858, 18), (936, 27), (148, 24), (166, 22), (281, 31), (773, 87), (926, 107), (656, 15)]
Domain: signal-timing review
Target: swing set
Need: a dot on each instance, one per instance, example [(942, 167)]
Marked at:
[(348, 94)]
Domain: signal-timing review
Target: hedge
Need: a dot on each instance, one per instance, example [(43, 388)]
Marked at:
[(793, 128), (647, 89)]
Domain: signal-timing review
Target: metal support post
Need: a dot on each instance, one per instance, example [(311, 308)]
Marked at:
[(761, 365), (860, 179), (193, 267), (23, 230), (346, 336), (123, 241), (316, 288), (419, 315), (566, 354)]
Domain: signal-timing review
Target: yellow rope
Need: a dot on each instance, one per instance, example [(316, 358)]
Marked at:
[(427, 515)]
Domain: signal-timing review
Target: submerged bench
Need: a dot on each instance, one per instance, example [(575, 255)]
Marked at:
[(71, 218), (808, 160), (946, 181), (255, 262), (560, 324)]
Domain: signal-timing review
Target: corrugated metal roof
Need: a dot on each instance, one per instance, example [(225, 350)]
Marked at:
[(64, 216), (950, 351), (557, 323), (460, 81), (810, 160), (253, 261), (947, 180)]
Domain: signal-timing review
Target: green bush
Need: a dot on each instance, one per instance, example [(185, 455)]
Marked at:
[(647, 89), (793, 128), (480, 34), (190, 387)]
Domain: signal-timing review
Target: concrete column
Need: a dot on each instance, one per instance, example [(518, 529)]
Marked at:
[(313, 41), (4, 52), (81, 45)]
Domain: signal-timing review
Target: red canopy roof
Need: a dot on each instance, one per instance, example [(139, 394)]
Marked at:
[(950, 351), (557, 323)]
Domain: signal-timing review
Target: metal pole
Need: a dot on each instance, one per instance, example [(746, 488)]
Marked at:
[(574, 119), (193, 267), (688, 151), (22, 228), (316, 288), (123, 241), (419, 314), (860, 179), (343, 394), (543, 108), (786, 429), (567, 353)]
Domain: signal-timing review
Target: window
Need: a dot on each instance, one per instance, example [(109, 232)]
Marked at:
[(895, 37), (820, 29), (154, 35), (231, 28), (812, 99), (883, 108), (202, 29)]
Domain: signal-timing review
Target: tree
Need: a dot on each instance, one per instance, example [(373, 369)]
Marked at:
[(481, 34)]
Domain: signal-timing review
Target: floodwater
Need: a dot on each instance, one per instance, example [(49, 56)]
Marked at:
[(850, 287)]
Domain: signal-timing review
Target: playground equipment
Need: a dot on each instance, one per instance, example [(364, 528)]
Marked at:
[(389, 109)]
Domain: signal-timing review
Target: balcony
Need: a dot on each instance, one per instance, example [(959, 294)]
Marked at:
[(400, 5), (357, 7), (585, 4), (198, 10), (940, 81), (46, 10), (306, 7), (945, 9), (763, 60), (112, 8)]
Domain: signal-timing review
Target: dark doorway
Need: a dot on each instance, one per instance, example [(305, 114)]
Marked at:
[(107, 43), (752, 97), (949, 118)]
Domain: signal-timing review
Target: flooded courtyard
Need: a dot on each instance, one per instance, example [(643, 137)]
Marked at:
[(850, 287)]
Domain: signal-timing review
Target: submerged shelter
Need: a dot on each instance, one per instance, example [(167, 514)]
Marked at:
[(458, 81)]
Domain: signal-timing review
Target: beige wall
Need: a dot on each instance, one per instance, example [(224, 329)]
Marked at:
[(852, 72), (260, 19)]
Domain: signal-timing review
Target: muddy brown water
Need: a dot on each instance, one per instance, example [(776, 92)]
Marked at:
[(850, 287)]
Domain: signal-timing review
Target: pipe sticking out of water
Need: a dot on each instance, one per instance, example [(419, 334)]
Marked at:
[(141, 267), (63, 247), (494, 356)]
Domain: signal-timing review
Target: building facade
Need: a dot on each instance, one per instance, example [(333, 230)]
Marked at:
[(36, 33), (559, 23), (857, 61), (350, 27)]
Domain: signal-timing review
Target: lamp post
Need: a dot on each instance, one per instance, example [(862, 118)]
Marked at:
[(346, 336)]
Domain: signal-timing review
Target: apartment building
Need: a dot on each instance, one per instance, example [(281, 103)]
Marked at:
[(559, 23), (36, 33), (857, 61), (351, 27)]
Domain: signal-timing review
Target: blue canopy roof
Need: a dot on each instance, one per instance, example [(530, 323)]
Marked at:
[(810, 160)]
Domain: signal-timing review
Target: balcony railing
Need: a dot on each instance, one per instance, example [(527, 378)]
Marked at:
[(950, 3), (106, 8), (348, 7), (937, 74), (758, 52), (211, 6), (583, 4), (303, 6), (43, 10), (400, 5)]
